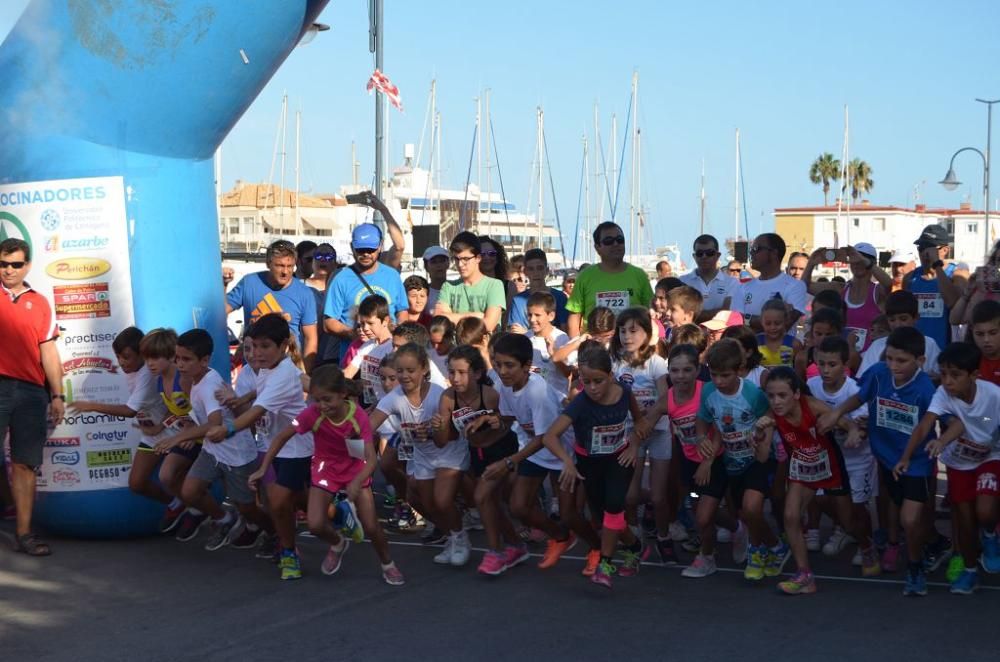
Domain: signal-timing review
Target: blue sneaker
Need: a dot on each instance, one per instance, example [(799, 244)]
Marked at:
[(990, 559), (916, 582), (966, 583), (346, 521)]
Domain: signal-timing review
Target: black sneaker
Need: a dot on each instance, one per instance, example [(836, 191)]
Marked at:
[(692, 544), (432, 536), (219, 533), (668, 555), (266, 548), (189, 526), (937, 553), (171, 518), (247, 538)]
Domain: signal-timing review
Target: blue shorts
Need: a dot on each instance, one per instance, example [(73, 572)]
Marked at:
[(529, 469), (293, 473)]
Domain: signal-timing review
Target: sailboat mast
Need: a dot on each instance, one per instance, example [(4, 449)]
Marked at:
[(586, 195), (702, 214), (736, 207), (640, 221), (375, 46), (632, 223), (284, 133), (355, 172), (437, 182), (489, 178), (479, 154), (541, 179), (613, 151), (298, 129), (599, 190)]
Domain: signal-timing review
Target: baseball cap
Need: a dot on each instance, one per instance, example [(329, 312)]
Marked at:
[(570, 275), (866, 249), (902, 255), (723, 320), (366, 236), (433, 252), (933, 235)]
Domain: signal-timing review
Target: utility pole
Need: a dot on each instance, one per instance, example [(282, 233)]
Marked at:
[(375, 34)]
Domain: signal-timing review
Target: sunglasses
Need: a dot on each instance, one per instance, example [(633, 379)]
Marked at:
[(708, 252), (488, 253), (325, 257), (735, 271), (611, 241), (757, 249), (13, 265), (365, 251)]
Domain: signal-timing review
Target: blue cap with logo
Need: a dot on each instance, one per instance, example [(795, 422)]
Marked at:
[(366, 236)]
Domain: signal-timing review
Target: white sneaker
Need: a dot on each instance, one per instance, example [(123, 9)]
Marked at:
[(677, 532), (837, 542), (741, 540), (444, 558), (471, 521), (723, 535), (703, 566), (459, 548), (812, 540), (856, 560)]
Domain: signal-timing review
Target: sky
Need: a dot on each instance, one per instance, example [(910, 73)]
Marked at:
[(782, 72)]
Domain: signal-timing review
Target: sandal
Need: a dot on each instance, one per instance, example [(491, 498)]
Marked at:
[(31, 545)]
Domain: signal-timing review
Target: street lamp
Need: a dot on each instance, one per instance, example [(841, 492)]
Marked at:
[(950, 181)]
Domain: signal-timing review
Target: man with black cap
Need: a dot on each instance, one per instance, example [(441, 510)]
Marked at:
[(936, 285)]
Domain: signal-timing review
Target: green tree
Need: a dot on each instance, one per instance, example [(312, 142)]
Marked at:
[(859, 174), (825, 169)]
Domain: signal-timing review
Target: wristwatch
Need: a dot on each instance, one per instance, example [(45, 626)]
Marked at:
[(59, 396), (510, 463)]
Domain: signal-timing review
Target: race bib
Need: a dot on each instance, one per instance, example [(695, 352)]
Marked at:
[(607, 439), (860, 335), (144, 420), (686, 429), (930, 304), (178, 423), (462, 417), (617, 301), (811, 468), (646, 397), (897, 416), (410, 434), (737, 445), (969, 451)]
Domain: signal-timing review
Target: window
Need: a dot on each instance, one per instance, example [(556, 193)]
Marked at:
[(222, 226), (878, 225), (248, 225), (234, 226), (972, 228), (857, 222), (829, 225)]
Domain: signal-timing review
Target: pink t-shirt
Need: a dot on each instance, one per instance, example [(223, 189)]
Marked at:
[(331, 463), (682, 420), (351, 352)]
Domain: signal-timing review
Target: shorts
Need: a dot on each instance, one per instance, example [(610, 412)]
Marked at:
[(658, 446), (292, 473), (964, 485), (908, 488), (209, 469), (480, 458), (189, 453), (605, 481), (529, 469), (758, 477), (863, 476), (334, 486), (717, 480), (24, 413), (428, 458)]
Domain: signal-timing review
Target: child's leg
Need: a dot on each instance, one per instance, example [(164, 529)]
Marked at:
[(282, 502), (369, 520), (778, 490), (424, 489), (487, 500), (140, 478), (987, 511), (634, 496), (194, 493), (913, 515), (659, 491), (445, 486), (705, 514), (172, 472), (394, 472), (318, 516), (796, 498), (571, 516), (752, 512), (966, 530), (524, 506)]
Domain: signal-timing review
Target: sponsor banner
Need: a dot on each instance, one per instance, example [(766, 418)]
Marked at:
[(78, 233)]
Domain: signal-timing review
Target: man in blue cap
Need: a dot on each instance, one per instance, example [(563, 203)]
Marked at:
[(366, 277)]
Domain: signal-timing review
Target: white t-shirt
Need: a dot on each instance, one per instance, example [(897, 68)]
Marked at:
[(414, 421), (439, 361), (236, 451), (715, 292), (368, 360), (849, 388), (246, 381), (874, 353), (535, 408), (643, 382), (542, 363), (145, 400), (981, 440), (751, 296), (279, 392)]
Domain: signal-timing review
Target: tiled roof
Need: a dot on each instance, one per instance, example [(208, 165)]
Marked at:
[(267, 195)]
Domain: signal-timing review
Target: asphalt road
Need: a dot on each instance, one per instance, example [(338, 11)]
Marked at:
[(158, 599)]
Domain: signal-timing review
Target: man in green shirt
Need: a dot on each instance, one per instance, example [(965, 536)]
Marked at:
[(612, 283), (473, 295)]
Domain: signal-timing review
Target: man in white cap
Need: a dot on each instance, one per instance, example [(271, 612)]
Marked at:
[(436, 261), (901, 263)]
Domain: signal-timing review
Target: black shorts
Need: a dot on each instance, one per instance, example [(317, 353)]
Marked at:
[(24, 413), (293, 473), (605, 481), (717, 481), (758, 477), (529, 469), (480, 458), (189, 453), (909, 488)]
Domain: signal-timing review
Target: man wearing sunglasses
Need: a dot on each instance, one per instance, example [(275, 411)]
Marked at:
[(611, 283), (766, 254), (436, 261), (352, 285), (30, 383), (278, 291), (937, 285), (716, 287)]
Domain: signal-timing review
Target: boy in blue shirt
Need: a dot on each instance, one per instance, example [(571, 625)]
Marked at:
[(897, 392), (536, 268)]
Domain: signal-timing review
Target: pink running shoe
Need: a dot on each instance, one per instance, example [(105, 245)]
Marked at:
[(493, 563), (515, 555), (890, 558)]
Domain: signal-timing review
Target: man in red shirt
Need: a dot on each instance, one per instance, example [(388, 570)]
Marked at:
[(30, 369)]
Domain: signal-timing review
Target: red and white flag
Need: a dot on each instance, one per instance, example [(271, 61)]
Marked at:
[(385, 86)]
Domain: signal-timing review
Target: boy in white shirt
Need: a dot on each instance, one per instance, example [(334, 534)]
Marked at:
[(373, 320), (545, 339)]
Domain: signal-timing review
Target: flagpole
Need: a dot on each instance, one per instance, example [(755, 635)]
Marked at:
[(375, 46)]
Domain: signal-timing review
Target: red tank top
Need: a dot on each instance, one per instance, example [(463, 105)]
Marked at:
[(814, 459)]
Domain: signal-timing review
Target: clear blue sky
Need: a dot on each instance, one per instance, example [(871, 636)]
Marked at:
[(780, 71)]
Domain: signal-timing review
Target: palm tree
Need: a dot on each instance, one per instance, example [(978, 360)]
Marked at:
[(859, 174), (825, 169)]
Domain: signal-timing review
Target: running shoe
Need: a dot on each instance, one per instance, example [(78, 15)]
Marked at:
[(741, 540), (777, 557), (334, 557), (267, 548), (692, 544), (916, 582), (677, 532), (723, 535), (431, 536), (593, 560), (393, 576), (404, 518), (444, 556), (171, 518), (190, 525), (347, 521), (755, 563), (460, 548), (555, 549), (493, 564), (812, 540), (937, 553), (290, 564), (668, 555), (515, 555), (471, 520), (870, 566), (990, 558), (802, 583), (966, 583), (246, 538), (890, 557), (837, 542), (703, 566), (648, 520), (631, 563), (602, 575), (956, 565), (219, 536), (856, 560)]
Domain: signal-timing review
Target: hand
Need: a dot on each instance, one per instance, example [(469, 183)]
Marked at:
[(437, 422), (187, 445), (491, 420), (517, 328), (642, 429), (901, 468), (853, 255), (496, 470), (703, 473), (216, 433), (255, 478), (353, 489), (763, 423), (164, 446), (79, 406), (853, 438), (304, 378), (818, 256), (628, 456), (57, 409), (826, 422), (935, 448), (706, 448), (226, 397), (568, 477), (228, 274)]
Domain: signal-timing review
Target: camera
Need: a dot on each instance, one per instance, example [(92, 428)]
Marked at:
[(358, 198)]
